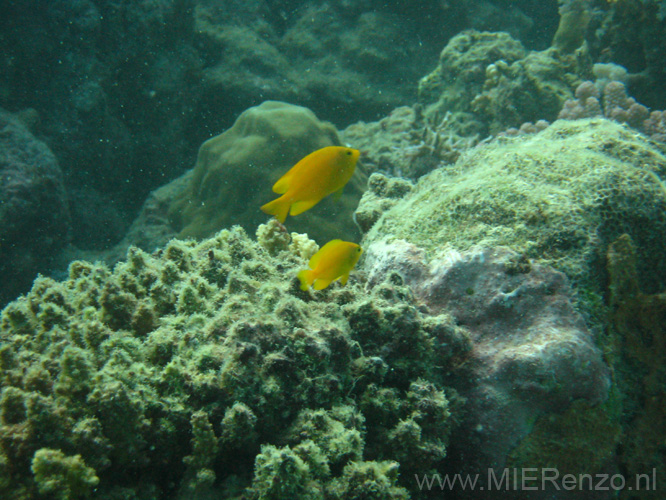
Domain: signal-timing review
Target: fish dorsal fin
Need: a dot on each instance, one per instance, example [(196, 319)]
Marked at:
[(284, 182), (316, 258)]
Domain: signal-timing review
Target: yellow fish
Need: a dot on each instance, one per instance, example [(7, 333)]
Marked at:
[(334, 260), (313, 178)]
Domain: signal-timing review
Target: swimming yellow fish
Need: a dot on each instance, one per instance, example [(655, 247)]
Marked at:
[(313, 178), (334, 260)]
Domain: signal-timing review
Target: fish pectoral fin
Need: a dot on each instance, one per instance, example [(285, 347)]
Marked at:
[(321, 283), (344, 278), (301, 206)]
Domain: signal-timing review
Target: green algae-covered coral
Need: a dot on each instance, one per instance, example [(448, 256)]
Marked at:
[(575, 15), (235, 171), (202, 370), (62, 477), (560, 197), (369, 480)]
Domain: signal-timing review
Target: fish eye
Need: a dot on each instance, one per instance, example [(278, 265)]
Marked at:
[(348, 153)]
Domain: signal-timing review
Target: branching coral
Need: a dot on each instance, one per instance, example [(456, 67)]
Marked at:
[(613, 102)]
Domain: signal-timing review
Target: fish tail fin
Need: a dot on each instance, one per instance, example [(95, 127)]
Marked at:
[(306, 277), (278, 207)]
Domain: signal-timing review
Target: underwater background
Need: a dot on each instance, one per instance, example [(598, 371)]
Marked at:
[(503, 334)]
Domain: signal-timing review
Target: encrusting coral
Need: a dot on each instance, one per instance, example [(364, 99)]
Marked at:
[(178, 373)]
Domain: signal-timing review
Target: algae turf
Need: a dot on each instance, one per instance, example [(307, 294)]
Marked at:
[(203, 370)]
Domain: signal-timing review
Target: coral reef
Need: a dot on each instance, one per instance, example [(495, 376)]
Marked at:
[(467, 339), (560, 197), (407, 143), (492, 82), (639, 354), (522, 349), (609, 98), (34, 214), (233, 177), (178, 373)]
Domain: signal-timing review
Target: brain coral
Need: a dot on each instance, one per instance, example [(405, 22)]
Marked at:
[(560, 197), (178, 374), (235, 171)]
